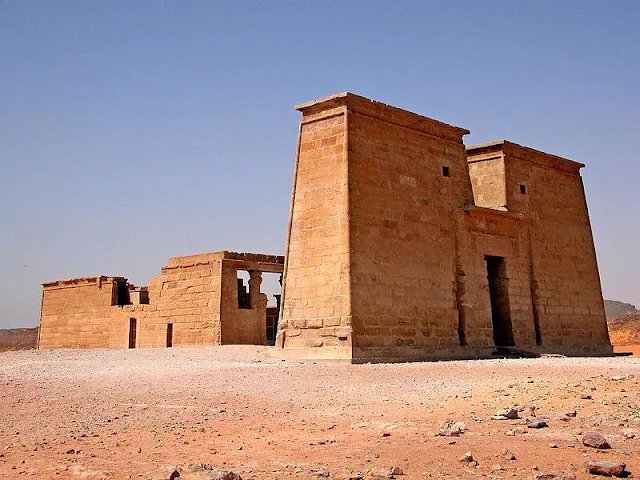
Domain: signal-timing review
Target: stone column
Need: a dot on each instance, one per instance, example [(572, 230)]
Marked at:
[(255, 281)]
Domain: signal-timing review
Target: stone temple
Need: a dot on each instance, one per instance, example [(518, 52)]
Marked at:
[(403, 244)]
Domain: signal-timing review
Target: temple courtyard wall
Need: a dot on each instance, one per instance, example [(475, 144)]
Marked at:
[(196, 300)]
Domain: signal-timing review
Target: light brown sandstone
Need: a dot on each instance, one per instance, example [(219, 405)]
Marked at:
[(420, 248), (403, 245), (196, 300)]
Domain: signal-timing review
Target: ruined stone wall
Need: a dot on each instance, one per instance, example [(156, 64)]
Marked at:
[(196, 294), (187, 295), (316, 297), (241, 326), (566, 287), (76, 313)]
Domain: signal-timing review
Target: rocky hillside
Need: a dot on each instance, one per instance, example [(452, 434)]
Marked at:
[(625, 329), (623, 320), (18, 339), (613, 308)]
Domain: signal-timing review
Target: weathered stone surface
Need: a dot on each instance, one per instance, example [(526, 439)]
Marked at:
[(606, 468), (555, 476), (536, 423), (452, 429), (508, 413), (394, 225), (467, 457), (399, 239), (507, 454), (595, 440), (199, 296)]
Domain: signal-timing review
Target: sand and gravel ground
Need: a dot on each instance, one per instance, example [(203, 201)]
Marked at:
[(114, 414)]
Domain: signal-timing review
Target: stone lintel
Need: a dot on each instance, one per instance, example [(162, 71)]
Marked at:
[(486, 212), (246, 261)]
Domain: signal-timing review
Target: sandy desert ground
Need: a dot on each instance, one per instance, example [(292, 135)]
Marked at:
[(112, 414)]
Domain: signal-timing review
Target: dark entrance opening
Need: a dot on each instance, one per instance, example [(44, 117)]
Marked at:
[(273, 287), (169, 335), (132, 332), (499, 295), (244, 298), (121, 294)]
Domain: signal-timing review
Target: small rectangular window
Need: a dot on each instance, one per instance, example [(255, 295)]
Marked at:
[(523, 189), (445, 171)]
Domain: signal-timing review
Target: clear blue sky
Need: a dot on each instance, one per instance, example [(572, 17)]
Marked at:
[(135, 131)]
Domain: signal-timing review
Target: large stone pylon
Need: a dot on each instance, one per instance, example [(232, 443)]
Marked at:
[(370, 254)]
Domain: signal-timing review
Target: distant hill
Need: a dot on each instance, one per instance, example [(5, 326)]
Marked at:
[(623, 320), (613, 308), (625, 329), (18, 339)]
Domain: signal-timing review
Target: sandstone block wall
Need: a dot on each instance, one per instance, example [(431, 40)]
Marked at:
[(405, 245), (402, 209), (246, 326), (195, 298), (77, 313), (317, 311), (566, 289), (185, 295)]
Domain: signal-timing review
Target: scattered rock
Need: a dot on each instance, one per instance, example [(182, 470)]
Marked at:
[(459, 427), (218, 475), (497, 468), (553, 445), (163, 473), (322, 474), (510, 433), (379, 474), (555, 476), (506, 414), (396, 471), (507, 454), (452, 429), (528, 410), (536, 423), (571, 413), (562, 418), (607, 468), (586, 397), (595, 440), (467, 458), (196, 471)]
